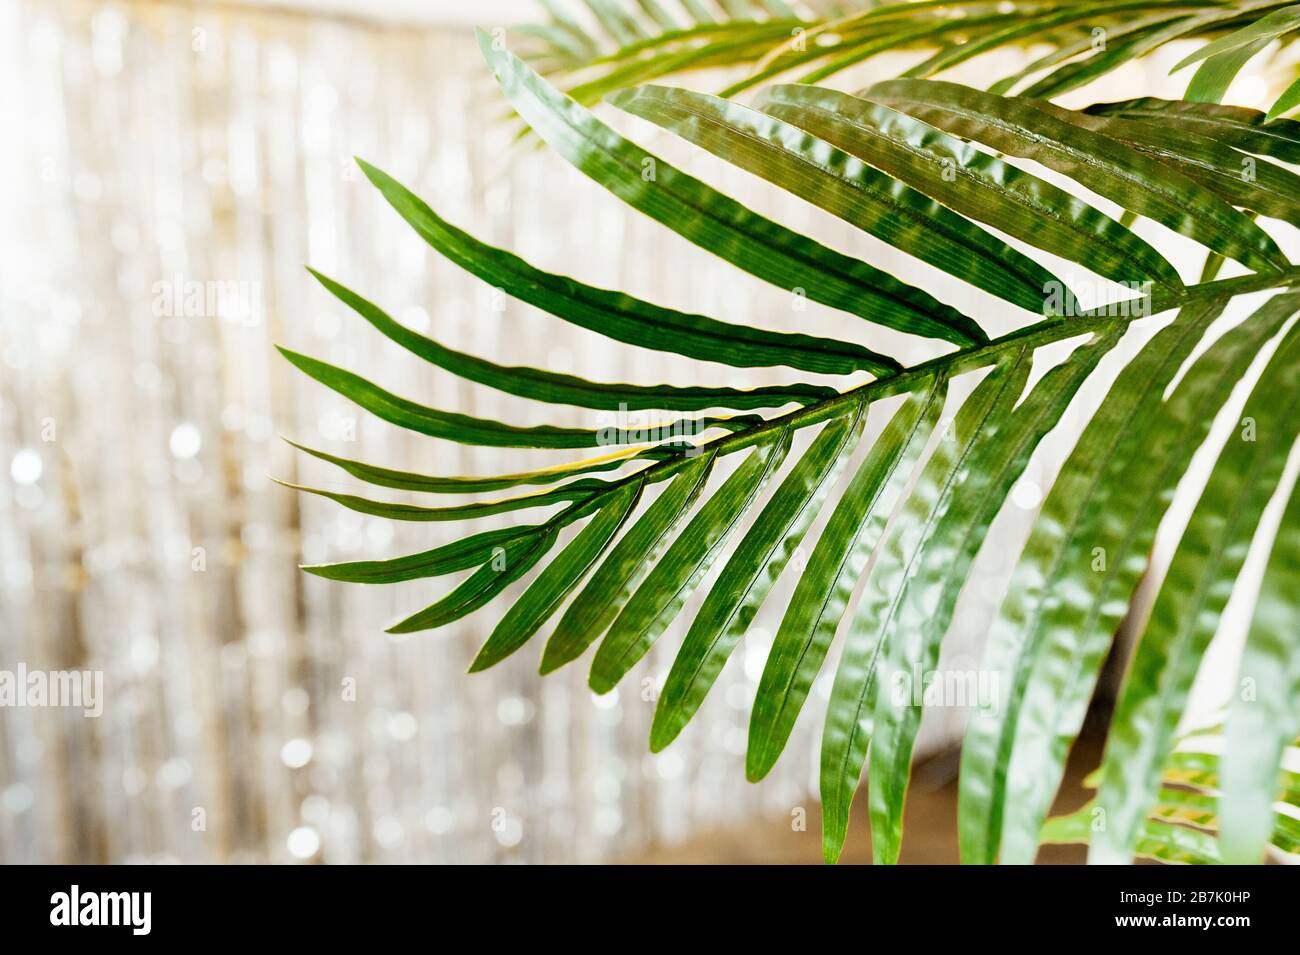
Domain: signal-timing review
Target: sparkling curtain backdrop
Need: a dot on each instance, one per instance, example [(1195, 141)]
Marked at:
[(168, 171)]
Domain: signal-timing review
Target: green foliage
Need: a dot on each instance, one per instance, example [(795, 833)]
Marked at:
[(1188, 809), (594, 55), (912, 162)]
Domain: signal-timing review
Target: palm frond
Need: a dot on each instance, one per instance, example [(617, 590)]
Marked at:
[(623, 43), (1188, 810), (910, 162)]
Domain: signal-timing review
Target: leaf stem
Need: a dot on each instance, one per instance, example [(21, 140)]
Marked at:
[(954, 363)]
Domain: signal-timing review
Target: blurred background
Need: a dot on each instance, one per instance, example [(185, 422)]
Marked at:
[(253, 713)]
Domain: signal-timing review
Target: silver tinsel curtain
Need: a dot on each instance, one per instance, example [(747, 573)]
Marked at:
[(168, 172)]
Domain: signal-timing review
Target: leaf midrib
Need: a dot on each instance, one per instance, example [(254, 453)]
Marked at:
[(1033, 336)]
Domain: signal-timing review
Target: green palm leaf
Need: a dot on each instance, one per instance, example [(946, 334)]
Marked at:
[(1184, 817), (1036, 622), (930, 557), (566, 389), (1064, 666), (620, 316), (506, 565), (433, 484), (973, 183), (1266, 29), (416, 512), (1262, 187), (1262, 717), (626, 566), (847, 187), (911, 162), (1198, 583), (1215, 75), (548, 591), (1085, 39), (1288, 101), (717, 223), (1246, 129), (745, 581), (660, 597), (468, 552), (821, 598), (1135, 180)]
